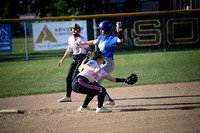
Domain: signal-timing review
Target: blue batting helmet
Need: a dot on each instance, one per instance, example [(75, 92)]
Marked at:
[(106, 25)]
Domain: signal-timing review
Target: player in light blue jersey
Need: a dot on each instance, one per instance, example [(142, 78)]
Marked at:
[(106, 44)]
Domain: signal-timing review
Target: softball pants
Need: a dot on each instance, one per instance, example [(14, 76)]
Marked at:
[(82, 85), (73, 71), (108, 67)]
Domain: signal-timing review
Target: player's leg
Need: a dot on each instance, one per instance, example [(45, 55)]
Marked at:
[(67, 98), (82, 85), (109, 67), (87, 100), (78, 63), (73, 71)]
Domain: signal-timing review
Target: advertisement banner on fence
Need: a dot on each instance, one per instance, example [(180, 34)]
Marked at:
[(54, 35), (5, 38)]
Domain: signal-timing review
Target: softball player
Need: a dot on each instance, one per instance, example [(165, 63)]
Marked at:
[(80, 53), (83, 82), (106, 44)]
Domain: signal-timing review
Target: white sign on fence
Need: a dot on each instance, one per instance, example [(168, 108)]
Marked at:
[(54, 35)]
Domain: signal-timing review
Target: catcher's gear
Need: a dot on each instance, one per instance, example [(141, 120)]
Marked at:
[(80, 68), (132, 79)]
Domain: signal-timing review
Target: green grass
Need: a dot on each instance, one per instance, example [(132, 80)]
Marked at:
[(41, 75), (159, 67)]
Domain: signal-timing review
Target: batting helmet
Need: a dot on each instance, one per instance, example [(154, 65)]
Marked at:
[(106, 25)]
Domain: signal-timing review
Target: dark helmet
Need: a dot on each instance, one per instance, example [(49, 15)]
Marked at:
[(106, 25), (75, 26)]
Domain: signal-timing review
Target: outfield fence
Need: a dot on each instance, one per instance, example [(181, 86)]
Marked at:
[(142, 30)]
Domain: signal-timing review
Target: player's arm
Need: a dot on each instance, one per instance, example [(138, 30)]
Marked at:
[(91, 42), (119, 32), (132, 79), (67, 52), (121, 38), (90, 68), (108, 77)]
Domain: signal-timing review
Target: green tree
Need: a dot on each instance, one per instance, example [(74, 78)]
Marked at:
[(12, 8), (66, 7), (50, 8)]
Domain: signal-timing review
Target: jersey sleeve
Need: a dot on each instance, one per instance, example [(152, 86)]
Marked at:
[(84, 40), (69, 43), (85, 46), (104, 73), (92, 63), (115, 38), (99, 38)]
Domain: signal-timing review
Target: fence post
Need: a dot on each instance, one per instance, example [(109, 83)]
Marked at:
[(95, 34), (26, 42)]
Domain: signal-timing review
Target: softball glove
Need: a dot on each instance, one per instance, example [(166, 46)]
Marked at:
[(132, 79)]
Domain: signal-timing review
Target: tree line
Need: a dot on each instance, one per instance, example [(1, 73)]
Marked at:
[(53, 8), (49, 8)]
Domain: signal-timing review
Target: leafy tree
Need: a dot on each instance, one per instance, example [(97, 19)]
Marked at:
[(9, 8), (65, 7)]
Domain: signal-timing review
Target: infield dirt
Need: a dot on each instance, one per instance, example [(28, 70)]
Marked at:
[(165, 108)]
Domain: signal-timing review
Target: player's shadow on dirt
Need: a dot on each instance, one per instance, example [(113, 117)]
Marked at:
[(188, 107), (184, 106), (163, 97)]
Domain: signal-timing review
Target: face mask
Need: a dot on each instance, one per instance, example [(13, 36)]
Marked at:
[(76, 35)]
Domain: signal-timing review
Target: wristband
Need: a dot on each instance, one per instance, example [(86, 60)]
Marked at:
[(120, 35), (88, 54), (120, 80)]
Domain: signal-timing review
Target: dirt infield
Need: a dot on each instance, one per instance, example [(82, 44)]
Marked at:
[(148, 108)]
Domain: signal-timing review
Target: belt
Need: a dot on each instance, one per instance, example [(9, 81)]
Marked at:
[(79, 55)]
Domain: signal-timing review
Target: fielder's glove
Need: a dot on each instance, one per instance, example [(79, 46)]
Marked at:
[(132, 79)]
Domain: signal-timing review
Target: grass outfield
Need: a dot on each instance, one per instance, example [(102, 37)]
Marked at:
[(42, 75)]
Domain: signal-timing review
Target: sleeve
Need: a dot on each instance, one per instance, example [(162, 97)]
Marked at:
[(91, 63), (99, 38), (86, 46), (115, 38), (104, 73), (84, 40), (69, 43)]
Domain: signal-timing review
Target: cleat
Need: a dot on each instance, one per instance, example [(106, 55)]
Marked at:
[(65, 99), (109, 103), (83, 109), (103, 110)]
